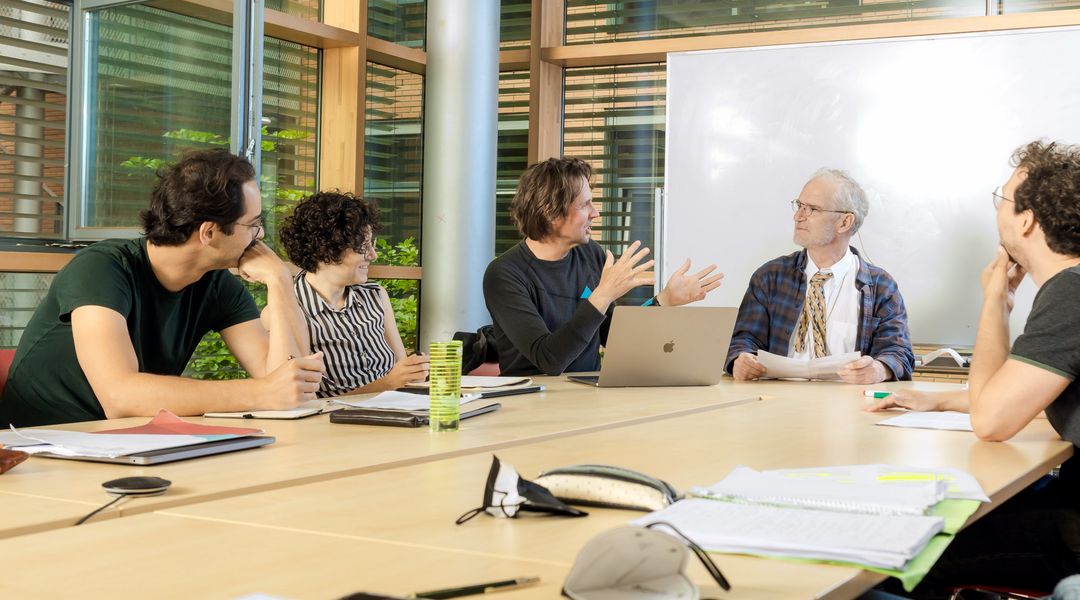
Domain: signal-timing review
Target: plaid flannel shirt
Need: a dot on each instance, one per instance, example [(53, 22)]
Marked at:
[(774, 300)]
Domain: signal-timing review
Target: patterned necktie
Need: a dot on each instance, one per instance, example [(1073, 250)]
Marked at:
[(813, 312)]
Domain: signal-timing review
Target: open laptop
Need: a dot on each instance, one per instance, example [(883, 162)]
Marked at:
[(651, 346), (157, 457)]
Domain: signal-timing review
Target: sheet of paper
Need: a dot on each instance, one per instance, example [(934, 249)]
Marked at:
[(478, 382), (824, 368), (947, 420), (880, 541), (77, 443), (394, 400), (960, 485), (863, 496)]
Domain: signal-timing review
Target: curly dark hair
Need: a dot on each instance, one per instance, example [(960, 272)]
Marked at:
[(204, 185), (545, 192), (326, 224), (1052, 192)]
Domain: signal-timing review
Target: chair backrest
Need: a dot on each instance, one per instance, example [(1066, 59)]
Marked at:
[(6, 356)]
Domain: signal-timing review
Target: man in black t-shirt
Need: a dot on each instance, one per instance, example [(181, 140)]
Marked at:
[(550, 297), (121, 320), (1034, 539)]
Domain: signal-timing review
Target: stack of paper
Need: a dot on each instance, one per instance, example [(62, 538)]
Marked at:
[(885, 542), (749, 486), (92, 445)]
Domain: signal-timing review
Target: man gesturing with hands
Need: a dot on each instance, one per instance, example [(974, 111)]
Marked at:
[(552, 295)]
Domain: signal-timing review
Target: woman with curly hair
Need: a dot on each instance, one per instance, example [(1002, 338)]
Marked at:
[(331, 237)]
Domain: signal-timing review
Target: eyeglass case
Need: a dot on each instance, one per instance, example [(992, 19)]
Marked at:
[(609, 487)]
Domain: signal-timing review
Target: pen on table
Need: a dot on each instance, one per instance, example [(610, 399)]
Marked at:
[(480, 588), (876, 394)]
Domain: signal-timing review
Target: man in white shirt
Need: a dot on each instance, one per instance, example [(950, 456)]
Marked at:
[(824, 300)]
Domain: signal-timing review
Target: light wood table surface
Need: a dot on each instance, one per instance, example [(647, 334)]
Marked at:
[(800, 426), (162, 557), (313, 449)]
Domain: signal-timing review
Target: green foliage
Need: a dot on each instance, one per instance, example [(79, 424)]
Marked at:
[(139, 163), (403, 292)]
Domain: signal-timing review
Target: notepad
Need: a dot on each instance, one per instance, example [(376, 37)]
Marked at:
[(824, 368), (395, 400), (745, 485), (879, 541), (306, 409)]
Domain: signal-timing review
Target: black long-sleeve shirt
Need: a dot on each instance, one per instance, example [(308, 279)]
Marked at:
[(543, 323)]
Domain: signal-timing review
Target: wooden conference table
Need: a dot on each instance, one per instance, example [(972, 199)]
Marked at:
[(391, 529)]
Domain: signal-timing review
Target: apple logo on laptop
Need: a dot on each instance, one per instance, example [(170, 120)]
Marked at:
[(669, 347)]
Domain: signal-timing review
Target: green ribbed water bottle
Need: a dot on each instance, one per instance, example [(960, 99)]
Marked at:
[(445, 378)]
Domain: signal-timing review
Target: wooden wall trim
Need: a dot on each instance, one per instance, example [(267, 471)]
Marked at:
[(276, 23), (52, 262), (396, 55), (648, 51), (514, 60), (545, 81)]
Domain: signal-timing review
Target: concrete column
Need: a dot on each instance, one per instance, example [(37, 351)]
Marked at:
[(461, 102)]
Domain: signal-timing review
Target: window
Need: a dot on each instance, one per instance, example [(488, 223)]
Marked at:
[(400, 21), (33, 93), (511, 154), (614, 119), (590, 21)]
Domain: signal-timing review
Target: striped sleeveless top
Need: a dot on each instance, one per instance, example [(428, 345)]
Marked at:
[(352, 339)]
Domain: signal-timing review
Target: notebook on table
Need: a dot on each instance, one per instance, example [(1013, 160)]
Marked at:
[(651, 346)]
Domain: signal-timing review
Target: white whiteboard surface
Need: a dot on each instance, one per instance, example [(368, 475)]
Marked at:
[(927, 125)]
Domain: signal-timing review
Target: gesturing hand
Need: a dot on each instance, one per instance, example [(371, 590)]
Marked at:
[(684, 289), (621, 276)]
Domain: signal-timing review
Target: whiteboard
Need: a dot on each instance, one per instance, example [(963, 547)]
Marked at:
[(926, 124)]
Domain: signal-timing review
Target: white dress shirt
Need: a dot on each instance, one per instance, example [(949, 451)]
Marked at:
[(842, 303)]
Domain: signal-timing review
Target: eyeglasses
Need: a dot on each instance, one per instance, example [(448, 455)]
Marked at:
[(998, 197), (797, 207), (368, 247), (258, 227)]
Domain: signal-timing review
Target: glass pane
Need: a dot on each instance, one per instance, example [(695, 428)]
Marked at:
[(394, 151), (162, 84), (33, 93), (614, 119), (512, 153), (515, 30), (400, 21), (20, 293), (590, 21), (305, 9), (289, 132)]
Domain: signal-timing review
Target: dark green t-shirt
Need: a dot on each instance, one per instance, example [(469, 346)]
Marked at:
[(46, 384), (1051, 341)]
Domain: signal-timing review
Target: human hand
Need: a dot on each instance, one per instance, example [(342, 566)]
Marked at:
[(621, 276), (259, 263), (911, 400), (1000, 279), (412, 368), (746, 367), (863, 370), (684, 289), (296, 381)]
